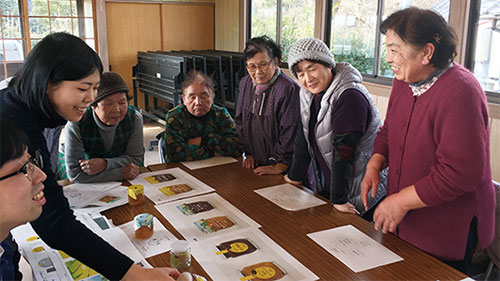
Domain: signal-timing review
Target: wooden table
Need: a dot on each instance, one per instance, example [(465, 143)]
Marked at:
[(290, 229)]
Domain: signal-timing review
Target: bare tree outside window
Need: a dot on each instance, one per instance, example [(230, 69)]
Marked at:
[(21, 34), (354, 31), (285, 23)]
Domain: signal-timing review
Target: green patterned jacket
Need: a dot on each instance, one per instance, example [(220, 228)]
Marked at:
[(216, 129)]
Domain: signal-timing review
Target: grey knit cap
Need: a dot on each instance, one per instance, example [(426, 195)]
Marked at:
[(309, 49), (111, 83)]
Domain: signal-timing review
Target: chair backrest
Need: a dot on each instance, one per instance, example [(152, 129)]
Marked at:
[(160, 149), (492, 250)]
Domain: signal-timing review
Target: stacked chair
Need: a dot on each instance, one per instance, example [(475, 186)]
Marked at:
[(159, 74)]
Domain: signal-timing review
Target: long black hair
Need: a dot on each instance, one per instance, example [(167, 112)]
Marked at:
[(58, 57), (13, 142)]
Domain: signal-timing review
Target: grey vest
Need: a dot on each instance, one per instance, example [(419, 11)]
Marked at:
[(346, 77)]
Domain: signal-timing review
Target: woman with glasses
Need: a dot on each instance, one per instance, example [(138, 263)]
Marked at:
[(57, 83), (21, 193), (267, 111)]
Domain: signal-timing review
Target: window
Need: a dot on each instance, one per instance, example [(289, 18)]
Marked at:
[(484, 60), (354, 31), (20, 34), (12, 43), (285, 21)]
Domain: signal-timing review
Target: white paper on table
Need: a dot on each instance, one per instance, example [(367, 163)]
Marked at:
[(118, 239), (226, 267), (36, 253), (96, 200), (154, 245), (209, 162), (153, 191), (355, 249), (47, 263), (79, 194), (93, 221), (186, 224), (289, 197)]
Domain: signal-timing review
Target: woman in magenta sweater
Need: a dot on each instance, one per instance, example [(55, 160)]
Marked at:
[(435, 140)]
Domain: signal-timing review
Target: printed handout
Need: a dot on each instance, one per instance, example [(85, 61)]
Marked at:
[(204, 216), (96, 198), (244, 255), (289, 197), (50, 264), (154, 245), (169, 185), (210, 162), (355, 249)]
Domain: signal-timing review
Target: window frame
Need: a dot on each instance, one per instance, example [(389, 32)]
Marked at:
[(464, 28), (26, 37), (279, 14), (470, 46)]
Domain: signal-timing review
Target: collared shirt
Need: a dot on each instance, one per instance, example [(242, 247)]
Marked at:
[(419, 88)]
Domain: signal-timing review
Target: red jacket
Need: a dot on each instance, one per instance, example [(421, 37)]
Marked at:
[(439, 142)]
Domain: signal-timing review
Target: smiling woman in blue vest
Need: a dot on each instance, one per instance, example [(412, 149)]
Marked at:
[(107, 143)]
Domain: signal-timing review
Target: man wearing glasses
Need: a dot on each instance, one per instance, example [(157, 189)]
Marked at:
[(21, 193)]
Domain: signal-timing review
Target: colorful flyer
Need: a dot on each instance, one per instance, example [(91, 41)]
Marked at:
[(248, 255), (170, 184), (204, 216)]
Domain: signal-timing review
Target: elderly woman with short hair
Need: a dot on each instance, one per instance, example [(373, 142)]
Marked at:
[(107, 143), (435, 140), (268, 109), (199, 129)]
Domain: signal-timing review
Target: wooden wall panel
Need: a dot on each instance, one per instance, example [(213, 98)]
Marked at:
[(187, 27), (227, 28), (132, 27)]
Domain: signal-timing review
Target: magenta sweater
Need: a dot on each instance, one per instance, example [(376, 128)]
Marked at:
[(439, 142)]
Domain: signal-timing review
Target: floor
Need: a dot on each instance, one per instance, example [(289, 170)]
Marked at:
[(151, 156)]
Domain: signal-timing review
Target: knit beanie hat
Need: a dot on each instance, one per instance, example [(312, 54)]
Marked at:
[(309, 49), (111, 83)]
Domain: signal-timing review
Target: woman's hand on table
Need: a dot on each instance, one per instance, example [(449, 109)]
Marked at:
[(151, 274), (389, 214), (391, 211), (288, 180), (93, 166), (131, 171), (267, 170), (346, 208), (249, 162)]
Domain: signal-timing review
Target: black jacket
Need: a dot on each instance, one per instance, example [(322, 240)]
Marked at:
[(57, 225)]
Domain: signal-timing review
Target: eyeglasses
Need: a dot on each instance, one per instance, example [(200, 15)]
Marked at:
[(29, 167), (261, 66)]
